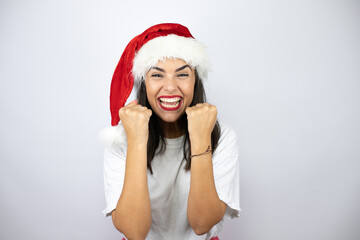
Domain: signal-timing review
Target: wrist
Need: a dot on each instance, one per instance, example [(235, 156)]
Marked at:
[(137, 142), (200, 145), (207, 151)]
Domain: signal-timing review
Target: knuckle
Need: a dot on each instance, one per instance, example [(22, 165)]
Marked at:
[(121, 111)]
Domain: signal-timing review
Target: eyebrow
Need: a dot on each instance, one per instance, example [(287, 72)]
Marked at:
[(159, 69), (177, 70), (182, 68)]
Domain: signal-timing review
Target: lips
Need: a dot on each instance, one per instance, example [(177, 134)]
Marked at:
[(170, 103)]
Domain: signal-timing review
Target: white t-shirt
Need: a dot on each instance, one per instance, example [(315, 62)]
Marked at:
[(170, 183)]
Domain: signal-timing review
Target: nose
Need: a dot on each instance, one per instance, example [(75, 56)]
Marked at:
[(170, 84)]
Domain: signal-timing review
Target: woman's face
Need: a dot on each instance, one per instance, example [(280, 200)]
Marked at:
[(170, 88)]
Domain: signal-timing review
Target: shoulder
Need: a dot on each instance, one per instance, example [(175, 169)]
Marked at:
[(228, 134), (227, 144)]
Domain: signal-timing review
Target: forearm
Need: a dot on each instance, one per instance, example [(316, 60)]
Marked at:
[(204, 206), (132, 216)]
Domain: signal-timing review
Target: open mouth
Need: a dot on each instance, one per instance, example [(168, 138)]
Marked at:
[(170, 103)]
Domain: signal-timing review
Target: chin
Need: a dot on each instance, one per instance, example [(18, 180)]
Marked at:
[(169, 119)]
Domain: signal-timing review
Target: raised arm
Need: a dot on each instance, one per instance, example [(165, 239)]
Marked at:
[(205, 209), (132, 215)]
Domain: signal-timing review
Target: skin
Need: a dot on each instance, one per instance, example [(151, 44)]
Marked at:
[(132, 215), (171, 82)]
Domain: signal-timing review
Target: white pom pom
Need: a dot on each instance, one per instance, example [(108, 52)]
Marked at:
[(112, 135)]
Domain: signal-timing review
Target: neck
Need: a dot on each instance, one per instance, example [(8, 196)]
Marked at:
[(172, 129)]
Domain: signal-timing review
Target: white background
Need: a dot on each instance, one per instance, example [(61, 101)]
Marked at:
[(285, 75)]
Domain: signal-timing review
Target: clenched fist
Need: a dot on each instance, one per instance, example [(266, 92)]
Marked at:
[(201, 121), (135, 119)]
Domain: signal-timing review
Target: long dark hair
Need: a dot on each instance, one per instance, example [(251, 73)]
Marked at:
[(156, 134)]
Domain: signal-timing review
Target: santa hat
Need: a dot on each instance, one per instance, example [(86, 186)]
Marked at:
[(161, 41)]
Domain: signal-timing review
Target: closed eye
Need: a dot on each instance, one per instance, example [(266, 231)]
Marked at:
[(183, 75), (156, 75)]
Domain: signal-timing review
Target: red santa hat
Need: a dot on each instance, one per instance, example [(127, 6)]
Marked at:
[(167, 40)]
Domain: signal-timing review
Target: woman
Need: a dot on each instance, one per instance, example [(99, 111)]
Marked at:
[(171, 170)]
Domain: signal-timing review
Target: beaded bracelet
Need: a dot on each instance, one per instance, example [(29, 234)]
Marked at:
[(208, 150)]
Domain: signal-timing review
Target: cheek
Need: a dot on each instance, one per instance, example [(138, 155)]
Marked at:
[(189, 93), (188, 89), (149, 90)]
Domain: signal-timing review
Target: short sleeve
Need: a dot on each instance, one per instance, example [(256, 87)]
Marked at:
[(226, 171), (114, 173), (114, 166)]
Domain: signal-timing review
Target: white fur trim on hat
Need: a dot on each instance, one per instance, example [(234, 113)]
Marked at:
[(171, 46)]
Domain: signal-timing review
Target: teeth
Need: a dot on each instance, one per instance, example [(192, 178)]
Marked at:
[(170, 100), (170, 105)]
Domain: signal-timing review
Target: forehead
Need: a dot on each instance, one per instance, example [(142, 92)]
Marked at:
[(171, 63)]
